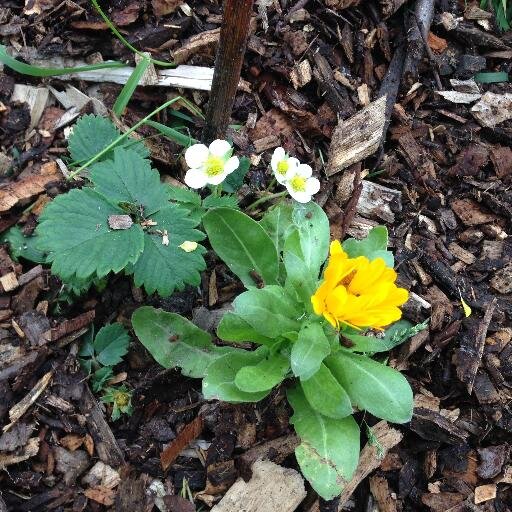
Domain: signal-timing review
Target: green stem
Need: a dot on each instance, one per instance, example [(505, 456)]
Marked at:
[(264, 199), (217, 190), (272, 183), (126, 134), (121, 38)]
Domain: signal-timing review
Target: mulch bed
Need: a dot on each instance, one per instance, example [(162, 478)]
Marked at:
[(441, 183)]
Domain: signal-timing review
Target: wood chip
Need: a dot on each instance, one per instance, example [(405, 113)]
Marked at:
[(17, 411), (25, 188), (380, 490), (36, 99), (271, 488), (470, 212), (357, 137), (376, 200), (493, 109), (484, 493), (29, 450), (459, 97), (9, 282), (461, 253), (301, 74), (190, 432), (195, 44), (502, 280)]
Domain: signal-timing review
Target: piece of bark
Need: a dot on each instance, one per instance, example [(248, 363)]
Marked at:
[(163, 7), (416, 156), (36, 99), (380, 490), (432, 426), (442, 501), (28, 187), (195, 44), (190, 432), (485, 493), (301, 74), (275, 450), (459, 97), (492, 460), (9, 282), (469, 355), (271, 488), (357, 137), (389, 7), (502, 280), (105, 442), (29, 450), (375, 201), (470, 212), (18, 410), (493, 109), (68, 326)]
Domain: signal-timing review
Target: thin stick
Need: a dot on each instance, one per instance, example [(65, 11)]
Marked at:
[(228, 64)]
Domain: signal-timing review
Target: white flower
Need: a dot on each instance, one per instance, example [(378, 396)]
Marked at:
[(209, 165), (282, 164), (300, 184)]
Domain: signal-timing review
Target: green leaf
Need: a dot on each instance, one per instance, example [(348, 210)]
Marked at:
[(91, 134), (263, 376), (175, 341), (165, 268), (220, 202), (183, 195), (111, 344), (277, 222), (393, 336), (22, 246), (129, 87), (242, 244), (378, 389), (329, 449), (87, 348), (310, 349), (311, 240), (373, 246), (173, 134), (268, 311), (326, 395), (299, 276), (100, 377), (234, 180), (129, 178), (491, 77), (219, 382), (28, 69), (74, 230), (233, 328)]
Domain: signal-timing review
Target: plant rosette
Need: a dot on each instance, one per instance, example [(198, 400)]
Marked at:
[(310, 327)]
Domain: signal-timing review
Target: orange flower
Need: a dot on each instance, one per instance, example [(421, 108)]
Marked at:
[(358, 292)]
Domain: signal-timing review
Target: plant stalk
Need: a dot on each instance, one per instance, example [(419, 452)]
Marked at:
[(228, 64)]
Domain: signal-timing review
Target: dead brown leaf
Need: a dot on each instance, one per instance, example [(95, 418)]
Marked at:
[(102, 495), (183, 439), (436, 43), (163, 7)]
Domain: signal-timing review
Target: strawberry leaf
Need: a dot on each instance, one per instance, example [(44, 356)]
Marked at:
[(111, 344)]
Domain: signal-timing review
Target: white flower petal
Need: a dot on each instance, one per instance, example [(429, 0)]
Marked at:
[(293, 162), (196, 155), (304, 170), (231, 165), (219, 147), (196, 178), (312, 186), (301, 197), (278, 155), (218, 179), (280, 178)]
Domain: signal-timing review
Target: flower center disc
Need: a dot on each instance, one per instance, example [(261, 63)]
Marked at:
[(298, 184), (282, 167), (214, 166)]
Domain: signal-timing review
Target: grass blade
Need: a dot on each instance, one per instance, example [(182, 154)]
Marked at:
[(130, 86), (173, 134), (28, 69)]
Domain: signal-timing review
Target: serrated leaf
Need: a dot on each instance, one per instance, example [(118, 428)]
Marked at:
[(22, 246), (234, 180), (219, 382), (175, 341), (165, 268), (74, 230), (378, 389), (242, 244), (263, 376), (220, 202), (111, 344), (329, 449), (183, 195), (100, 377), (128, 177), (373, 246), (325, 394), (310, 349), (92, 134)]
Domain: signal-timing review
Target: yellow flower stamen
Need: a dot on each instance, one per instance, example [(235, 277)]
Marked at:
[(121, 399), (214, 165), (298, 184), (358, 292), (282, 167)]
